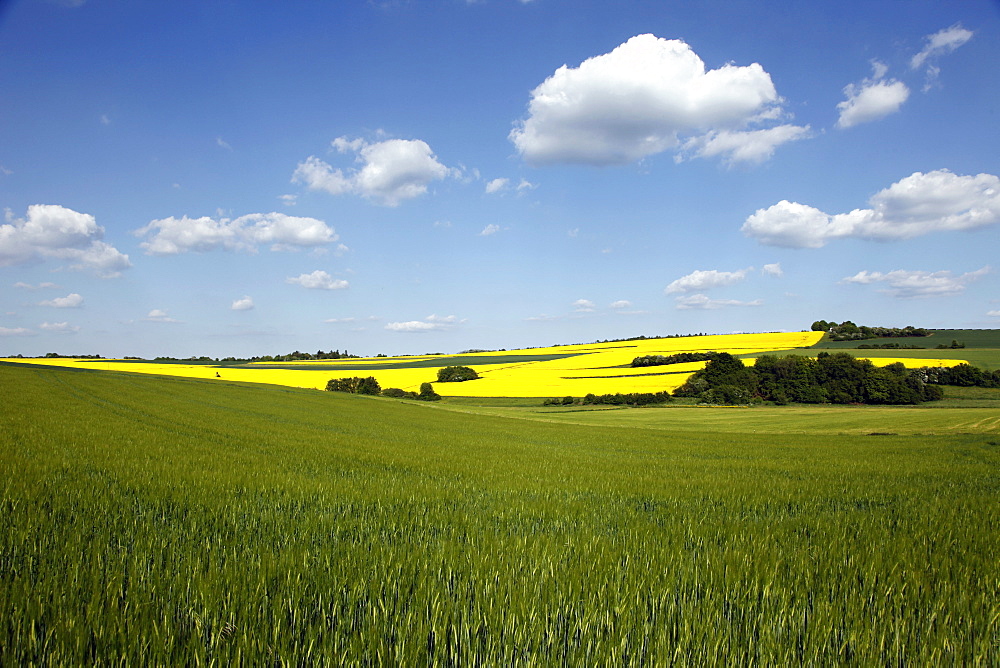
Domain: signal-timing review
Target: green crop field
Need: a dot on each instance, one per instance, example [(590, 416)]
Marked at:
[(982, 347), (166, 521)]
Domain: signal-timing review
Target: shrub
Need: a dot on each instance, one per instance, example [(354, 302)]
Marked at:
[(354, 385), (427, 393), (456, 374), (397, 393), (629, 399)]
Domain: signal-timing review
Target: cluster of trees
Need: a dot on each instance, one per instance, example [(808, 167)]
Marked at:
[(962, 375), (617, 399), (889, 346), (426, 393), (299, 356), (456, 374), (848, 331), (953, 345), (56, 356), (677, 358), (370, 386), (354, 385), (628, 399), (830, 378)]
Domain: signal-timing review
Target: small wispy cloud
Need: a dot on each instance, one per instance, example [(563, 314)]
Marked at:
[(72, 300), (429, 324), (59, 327), (318, 280), (906, 284), (244, 303), (159, 315)]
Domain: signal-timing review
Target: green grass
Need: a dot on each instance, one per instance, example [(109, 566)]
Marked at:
[(165, 521)]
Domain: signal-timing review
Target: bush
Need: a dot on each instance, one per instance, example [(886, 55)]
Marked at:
[(397, 393), (354, 385), (427, 393), (629, 399), (677, 358), (456, 374)]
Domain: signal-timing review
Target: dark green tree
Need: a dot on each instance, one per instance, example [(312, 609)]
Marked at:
[(456, 374), (427, 393)]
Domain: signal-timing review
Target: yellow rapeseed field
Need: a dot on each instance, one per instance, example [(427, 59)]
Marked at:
[(598, 368)]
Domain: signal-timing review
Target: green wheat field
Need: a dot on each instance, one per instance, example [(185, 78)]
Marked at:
[(167, 521)]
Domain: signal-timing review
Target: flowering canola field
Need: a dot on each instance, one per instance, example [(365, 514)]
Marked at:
[(573, 370)]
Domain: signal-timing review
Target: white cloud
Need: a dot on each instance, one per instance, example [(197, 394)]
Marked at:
[(703, 302), (289, 200), (496, 185), (413, 326), (159, 315), (772, 270), (16, 331), (489, 229), (340, 320), (40, 286), (72, 300), (941, 43), (746, 146), (170, 236), (429, 324), (392, 170), (59, 327), (621, 303), (53, 231), (919, 204), (705, 280), (993, 313), (584, 305), (871, 100), (244, 303), (643, 98), (219, 141), (909, 284), (318, 280), (526, 185)]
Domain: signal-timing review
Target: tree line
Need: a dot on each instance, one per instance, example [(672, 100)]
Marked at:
[(676, 358), (848, 331), (837, 378), (617, 399), (371, 387), (961, 375)]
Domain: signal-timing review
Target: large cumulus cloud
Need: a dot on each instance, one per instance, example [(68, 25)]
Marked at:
[(54, 231), (919, 204), (647, 96)]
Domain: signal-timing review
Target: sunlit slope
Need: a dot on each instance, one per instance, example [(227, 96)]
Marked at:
[(575, 370), (172, 522)]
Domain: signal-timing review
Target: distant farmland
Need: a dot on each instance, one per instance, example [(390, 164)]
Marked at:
[(556, 371)]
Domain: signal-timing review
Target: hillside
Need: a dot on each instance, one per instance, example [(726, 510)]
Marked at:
[(168, 521)]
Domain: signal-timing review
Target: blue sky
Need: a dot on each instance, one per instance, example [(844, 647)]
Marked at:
[(248, 178)]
